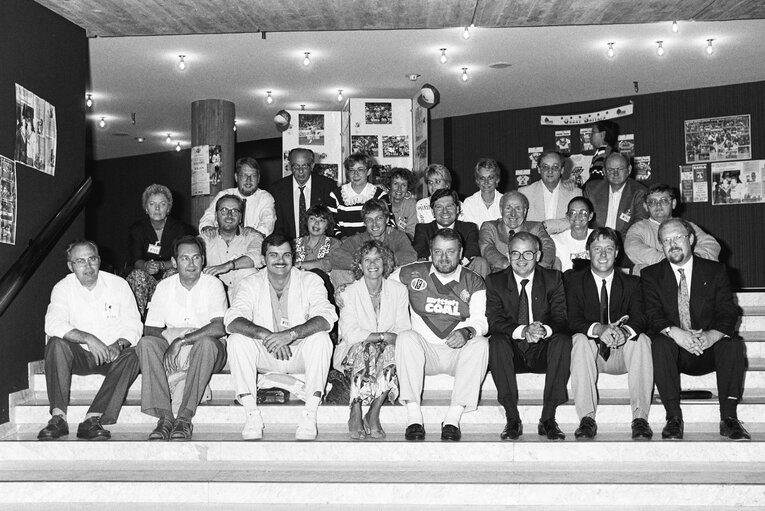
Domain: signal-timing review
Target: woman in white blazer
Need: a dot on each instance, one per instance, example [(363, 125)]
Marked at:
[(374, 311)]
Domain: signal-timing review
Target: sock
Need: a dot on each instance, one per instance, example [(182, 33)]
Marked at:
[(413, 413), (58, 411), (453, 415), (312, 404), (249, 402), (92, 414)]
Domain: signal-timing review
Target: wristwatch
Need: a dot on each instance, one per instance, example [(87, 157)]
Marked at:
[(470, 333), (293, 335)]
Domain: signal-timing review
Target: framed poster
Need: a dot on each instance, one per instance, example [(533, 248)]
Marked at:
[(718, 139), (740, 182)]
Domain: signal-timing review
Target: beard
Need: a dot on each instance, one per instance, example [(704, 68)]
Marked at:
[(445, 266)]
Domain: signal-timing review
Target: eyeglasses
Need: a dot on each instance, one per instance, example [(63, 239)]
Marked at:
[(527, 255), (187, 259), (548, 168), (305, 166), (229, 211), (674, 239), (580, 213), (358, 170), (658, 202), (81, 262), (616, 169), (603, 250)]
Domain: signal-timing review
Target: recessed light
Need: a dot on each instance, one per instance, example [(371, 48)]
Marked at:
[(139, 139), (413, 76), (500, 65)]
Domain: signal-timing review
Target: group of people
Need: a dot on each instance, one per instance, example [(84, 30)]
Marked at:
[(465, 288)]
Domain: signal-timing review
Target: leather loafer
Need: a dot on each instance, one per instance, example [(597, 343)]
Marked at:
[(415, 432), (732, 428), (182, 429), (550, 429), (641, 430), (91, 429), (450, 432), (513, 430), (57, 427), (163, 429), (587, 429), (674, 429)]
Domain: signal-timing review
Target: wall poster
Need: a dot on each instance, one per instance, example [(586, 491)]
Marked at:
[(584, 140), (563, 141), (7, 201), (694, 183), (534, 153), (740, 182), (35, 131), (365, 144), (310, 129), (718, 139), (205, 168), (322, 133), (378, 113)]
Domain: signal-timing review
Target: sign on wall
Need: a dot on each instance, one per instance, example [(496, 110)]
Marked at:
[(718, 139)]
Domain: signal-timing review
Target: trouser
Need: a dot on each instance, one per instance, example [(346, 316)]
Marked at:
[(207, 356), (633, 358), (64, 358), (248, 356), (551, 356), (726, 357), (416, 357)]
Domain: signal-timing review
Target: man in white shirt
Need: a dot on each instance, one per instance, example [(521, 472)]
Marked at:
[(92, 323), (483, 205), (280, 321), (260, 214), (186, 311), (570, 245), (549, 197)]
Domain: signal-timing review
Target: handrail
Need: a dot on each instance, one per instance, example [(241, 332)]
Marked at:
[(18, 275)]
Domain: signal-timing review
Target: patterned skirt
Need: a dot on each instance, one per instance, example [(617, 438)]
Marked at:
[(371, 368), (143, 285)]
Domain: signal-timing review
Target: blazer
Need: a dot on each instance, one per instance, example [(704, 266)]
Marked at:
[(711, 300), (583, 301), (468, 231), (630, 205), (548, 301), (493, 241), (284, 202), (535, 193), (358, 320)]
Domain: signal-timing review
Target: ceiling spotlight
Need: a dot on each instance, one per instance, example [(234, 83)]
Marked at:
[(181, 62), (339, 94), (102, 122), (466, 33), (709, 46), (139, 140), (413, 76), (610, 51), (178, 147), (675, 28), (443, 58), (169, 139), (307, 59), (89, 100), (269, 99), (660, 49), (464, 76)]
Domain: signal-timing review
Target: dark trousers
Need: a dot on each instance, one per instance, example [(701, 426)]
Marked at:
[(726, 357), (551, 356), (64, 358)]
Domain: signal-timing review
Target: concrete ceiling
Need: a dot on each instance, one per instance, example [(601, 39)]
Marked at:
[(556, 48)]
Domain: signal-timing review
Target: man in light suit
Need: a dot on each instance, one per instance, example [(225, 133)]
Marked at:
[(548, 198), (280, 321), (495, 235), (526, 308), (692, 320), (315, 189), (605, 313)]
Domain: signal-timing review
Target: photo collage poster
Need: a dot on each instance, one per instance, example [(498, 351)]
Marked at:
[(319, 131), (205, 168), (718, 139), (740, 182), (36, 133), (7, 201)]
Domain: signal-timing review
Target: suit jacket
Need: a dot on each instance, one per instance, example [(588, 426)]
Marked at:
[(548, 301), (535, 193), (711, 300), (583, 301), (493, 241), (285, 204), (468, 231), (142, 234), (631, 204)]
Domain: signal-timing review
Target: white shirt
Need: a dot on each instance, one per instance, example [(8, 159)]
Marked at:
[(551, 200), (174, 306), (475, 210), (599, 284), (688, 270), (217, 252), (614, 198), (259, 211), (567, 248), (518, 332), (108, 311), (296, 200)]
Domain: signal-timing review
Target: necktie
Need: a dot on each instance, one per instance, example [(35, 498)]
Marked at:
[(604, 350), (301, 212), (683, 301), (523, 312)]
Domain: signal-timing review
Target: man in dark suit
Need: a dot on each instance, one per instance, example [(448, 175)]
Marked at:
[(446, 208), (287, 193), (692, 319), (606, 317), (526, 308)]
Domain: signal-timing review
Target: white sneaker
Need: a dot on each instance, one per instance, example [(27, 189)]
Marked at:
[(253, 426), (306, 429)]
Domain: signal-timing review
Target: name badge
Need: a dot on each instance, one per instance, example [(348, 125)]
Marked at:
[(111, 310), (284, 323), (625, 217), (154, 248)]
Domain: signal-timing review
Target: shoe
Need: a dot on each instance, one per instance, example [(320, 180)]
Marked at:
[(641, 430), (733, 429), (550, 429), (182, 429), (57, 427), (163, 429), (674, 429), (450, 432), (587, 429), (253, 426), (372, 433), (306, 428), (415, 432), (91, 429), (513, 430)]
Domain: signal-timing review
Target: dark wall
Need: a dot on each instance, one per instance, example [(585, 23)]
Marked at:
[(658, 127), (48, 56)]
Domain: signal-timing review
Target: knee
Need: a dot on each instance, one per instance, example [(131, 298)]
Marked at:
[(731, 346), (150, 344), (500, 344), (406, 340), (206, 345), (582, 346), (129, 358), (662, 345), (235, 343), (57, 347), (560, 343), (318, 342)]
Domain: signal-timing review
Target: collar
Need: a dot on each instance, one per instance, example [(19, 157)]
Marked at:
[(518, 278), (688, 267), (446, 279), (598, 279), (296, 186)]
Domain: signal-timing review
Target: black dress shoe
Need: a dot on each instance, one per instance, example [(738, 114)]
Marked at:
[(641, 430), (182, 429), (587, 429), (733, 429), (550, 429), (57, 427), (513, 430), (450, 432), (91, 429), (674, 429), (415, 432), (163, 429)]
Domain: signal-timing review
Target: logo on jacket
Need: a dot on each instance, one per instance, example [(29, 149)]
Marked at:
[(418, 284)]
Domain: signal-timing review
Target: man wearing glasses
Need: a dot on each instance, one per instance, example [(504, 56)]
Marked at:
[(642, 240), (571, 245), (92, 323), (526, 308), (548, 197)]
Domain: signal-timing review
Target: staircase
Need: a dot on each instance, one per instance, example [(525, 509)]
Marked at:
[(217, 469)]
